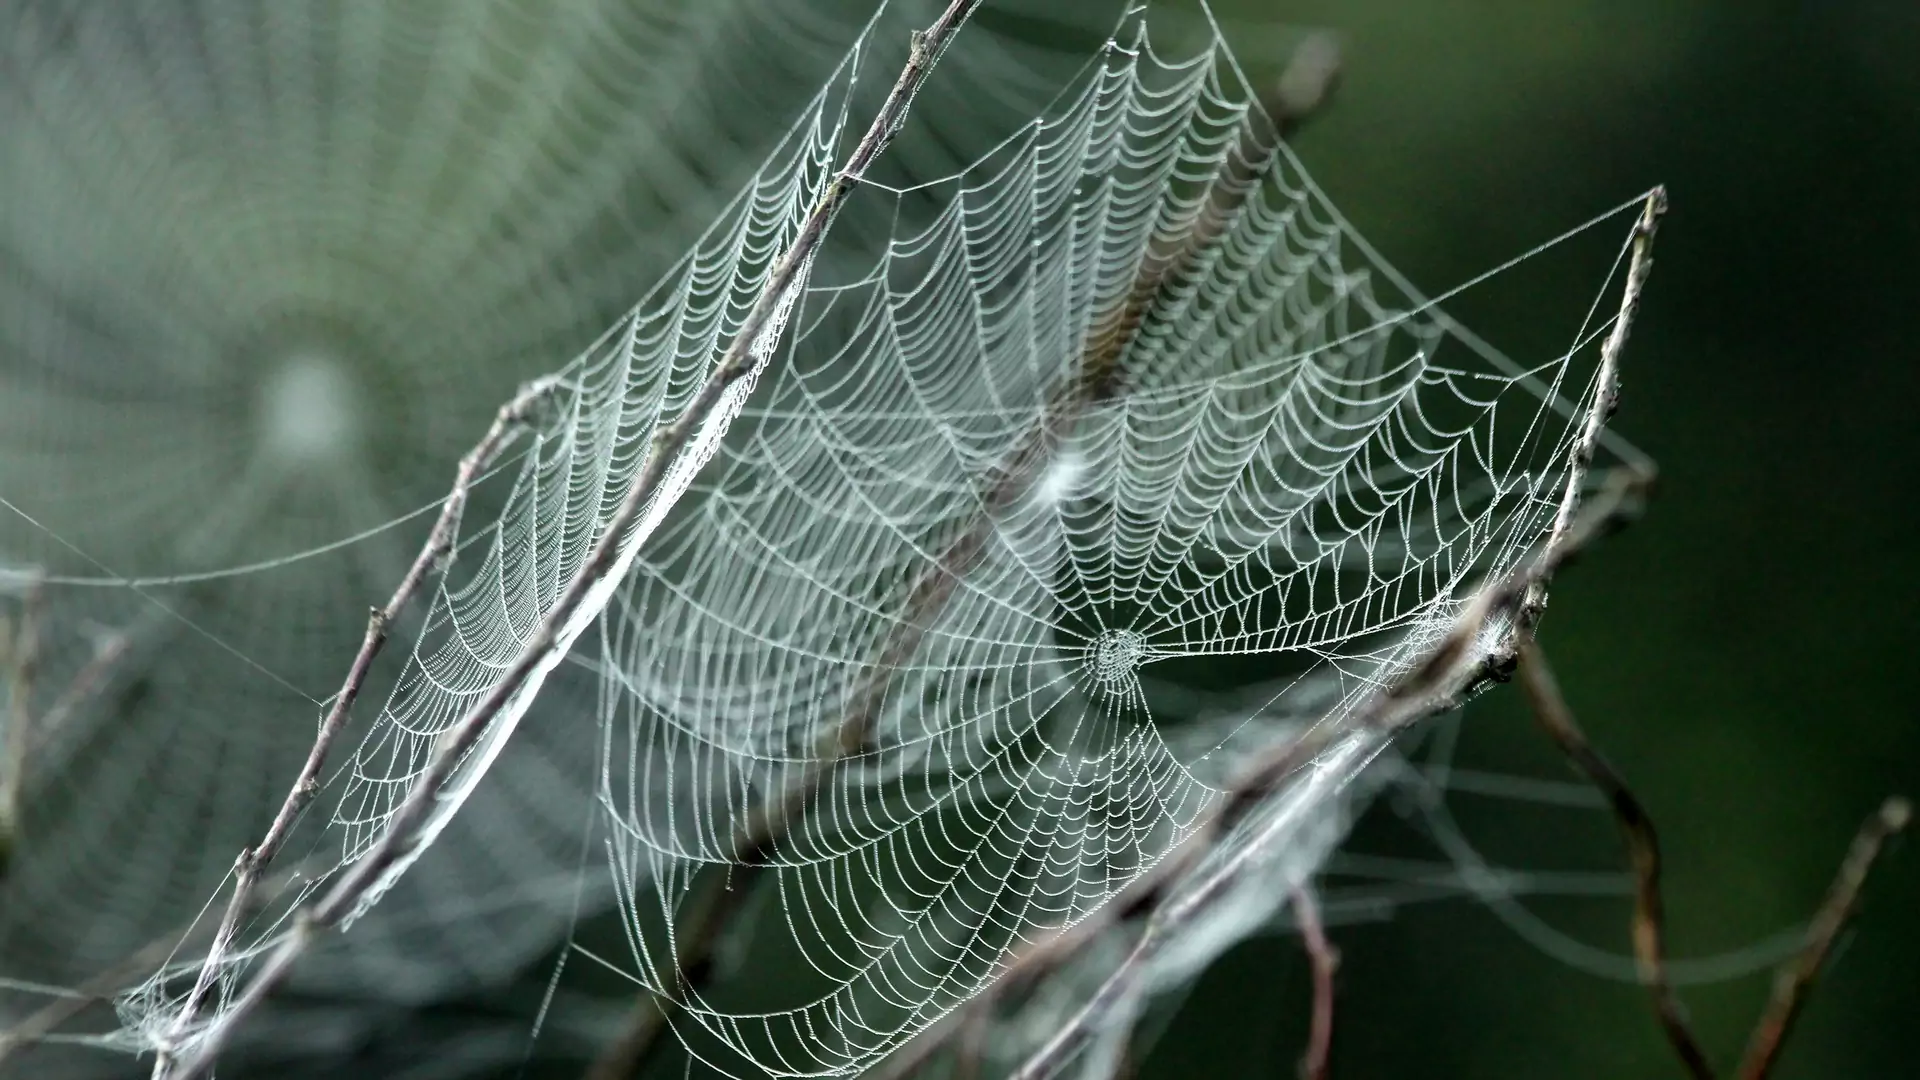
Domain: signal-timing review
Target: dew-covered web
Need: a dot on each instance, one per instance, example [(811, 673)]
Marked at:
[(1120, 405), (1126, 396)]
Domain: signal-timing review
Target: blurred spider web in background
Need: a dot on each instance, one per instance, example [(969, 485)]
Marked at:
[(264, 273), (1296, 459)]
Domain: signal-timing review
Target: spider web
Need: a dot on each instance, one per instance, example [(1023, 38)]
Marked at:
[(1120, 397), (1126, 395)]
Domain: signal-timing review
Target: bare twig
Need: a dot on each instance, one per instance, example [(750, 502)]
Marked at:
[(742, 358), (109, 648), (253, 862), (1325, 959), (1606, 395), (694, 944), (623, 1057), (24, 730), (1796, 978), (1643, 845), (972, 1051), (20, 654), (1301, 93), (1649, 921)]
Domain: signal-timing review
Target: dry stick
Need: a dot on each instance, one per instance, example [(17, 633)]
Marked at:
[(972, 1051), (1643, 845), (398, 839), (693, 960), (1606, 399), (253, 862), (1451, 670), (1303, 90), (86, 682), (1649, 919), (20, 651), (1324, 958), (1790, 987)]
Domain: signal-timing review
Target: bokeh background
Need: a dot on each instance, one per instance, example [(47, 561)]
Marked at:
[(1739, 653)]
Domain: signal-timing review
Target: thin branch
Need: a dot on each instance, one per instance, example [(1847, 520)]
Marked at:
[(1796, 978), (253, 862), (742, 358), (1643, 846), (20, 653), (1606, 395), (1325, 959), (109, 648), (1301, 93), (695, 941), (970, 1057)]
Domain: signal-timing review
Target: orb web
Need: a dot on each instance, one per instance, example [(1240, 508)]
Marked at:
[(1121, 394), (1118, 391), (1114, 658)]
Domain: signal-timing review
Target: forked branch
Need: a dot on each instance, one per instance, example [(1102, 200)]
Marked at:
[(398, 839), (1649, 916)]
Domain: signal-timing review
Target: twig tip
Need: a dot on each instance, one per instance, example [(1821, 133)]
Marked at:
[(1896, 813)]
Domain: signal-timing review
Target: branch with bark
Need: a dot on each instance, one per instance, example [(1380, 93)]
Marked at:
[(26, 729), (1795, 978), (1316, 1062)]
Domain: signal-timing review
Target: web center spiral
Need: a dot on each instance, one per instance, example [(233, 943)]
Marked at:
[(1114, 658)]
